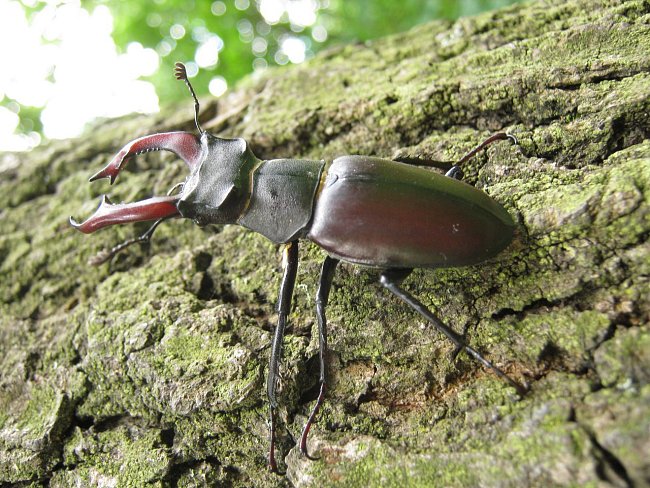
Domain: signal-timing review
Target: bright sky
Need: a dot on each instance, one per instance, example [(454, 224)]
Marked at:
[(77, 74)]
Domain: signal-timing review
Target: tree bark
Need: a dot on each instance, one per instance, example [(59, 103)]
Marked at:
[(151, 370)]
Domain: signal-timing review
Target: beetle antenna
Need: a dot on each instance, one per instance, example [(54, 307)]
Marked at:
[(181, 74)]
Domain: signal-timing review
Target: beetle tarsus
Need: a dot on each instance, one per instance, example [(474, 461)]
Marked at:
[(312, 417), (290, 260), (273, 465), (512, 138), (499, 136), (454, 354), (391, 279)]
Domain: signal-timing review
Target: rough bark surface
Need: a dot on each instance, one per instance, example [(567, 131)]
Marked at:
[(150, 371)]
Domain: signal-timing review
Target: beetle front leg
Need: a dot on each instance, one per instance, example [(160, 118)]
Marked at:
[(106, 254), (290, 259), (391, 280), (322, 296)]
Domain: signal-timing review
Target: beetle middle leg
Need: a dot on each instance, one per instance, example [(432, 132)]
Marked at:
[(322, 296), (284, 307), (391, 280)]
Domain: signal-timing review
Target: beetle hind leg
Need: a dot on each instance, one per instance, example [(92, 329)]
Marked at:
[(455, 171), (391, 280), (322, 296), (499, 136)]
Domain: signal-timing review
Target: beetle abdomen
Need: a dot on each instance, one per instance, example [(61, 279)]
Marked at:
[(382, 213)]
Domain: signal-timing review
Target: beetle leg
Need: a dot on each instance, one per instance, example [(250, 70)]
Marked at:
[(184, 144), (283, 308), (499, 136), (391, 280), (322, 295), (153, 208), (106, 254)]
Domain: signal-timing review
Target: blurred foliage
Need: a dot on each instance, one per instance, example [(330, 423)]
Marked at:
[(247, 39), (241, 23)]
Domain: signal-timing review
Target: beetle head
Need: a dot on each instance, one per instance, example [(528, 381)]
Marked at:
[(187, 146)]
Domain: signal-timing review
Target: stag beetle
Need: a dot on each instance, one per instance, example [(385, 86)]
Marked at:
[(359, 209)]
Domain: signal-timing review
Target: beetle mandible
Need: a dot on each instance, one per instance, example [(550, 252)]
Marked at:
[(359, 209)]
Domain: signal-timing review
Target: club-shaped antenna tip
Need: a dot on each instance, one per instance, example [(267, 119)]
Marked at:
[(180, 72)]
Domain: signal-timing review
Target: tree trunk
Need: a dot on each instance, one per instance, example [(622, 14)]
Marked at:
[(151, 370)]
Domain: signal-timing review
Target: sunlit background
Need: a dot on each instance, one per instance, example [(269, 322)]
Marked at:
[(65, 63)]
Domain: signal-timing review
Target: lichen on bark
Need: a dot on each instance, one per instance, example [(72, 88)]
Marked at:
[(150, 370)]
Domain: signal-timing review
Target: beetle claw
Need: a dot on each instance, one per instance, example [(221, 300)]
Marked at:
[(512, 138)]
